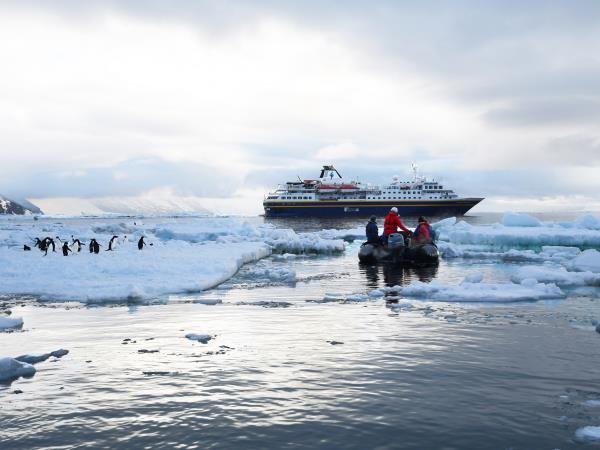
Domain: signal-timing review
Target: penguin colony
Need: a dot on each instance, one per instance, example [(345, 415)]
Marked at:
[(75, 245)]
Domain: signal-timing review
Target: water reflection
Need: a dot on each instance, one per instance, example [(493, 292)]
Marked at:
[(394, 275)]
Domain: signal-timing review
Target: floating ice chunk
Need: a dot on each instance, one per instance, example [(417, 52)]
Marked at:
[(587, 260), (473, 278), (34, 359), (527, 290), (592, 403), (203, 338), (208, 301), (562, 251), (281, 274), (11, 369), (557, 275), (333, 297), (520, 220), (10, 322), (376, 293), (588, 433), (357, 297)]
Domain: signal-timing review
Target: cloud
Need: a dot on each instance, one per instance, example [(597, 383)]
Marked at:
[(208, 97)]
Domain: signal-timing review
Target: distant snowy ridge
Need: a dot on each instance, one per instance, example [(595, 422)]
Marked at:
[(11, 207)]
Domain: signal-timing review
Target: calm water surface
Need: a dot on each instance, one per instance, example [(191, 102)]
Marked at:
[(287, 370)]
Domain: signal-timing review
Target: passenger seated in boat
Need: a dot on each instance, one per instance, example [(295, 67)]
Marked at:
[(372, 231), (391, 224), (423, 232)]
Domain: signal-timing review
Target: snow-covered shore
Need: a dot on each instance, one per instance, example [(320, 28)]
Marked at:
[(183, 257)]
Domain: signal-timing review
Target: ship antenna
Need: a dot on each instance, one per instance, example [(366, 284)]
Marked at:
[(415, 168)]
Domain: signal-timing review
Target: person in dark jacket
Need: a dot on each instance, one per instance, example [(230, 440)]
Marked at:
[(372, 231)]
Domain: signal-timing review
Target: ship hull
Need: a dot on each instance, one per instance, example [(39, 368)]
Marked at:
[(353, 208)]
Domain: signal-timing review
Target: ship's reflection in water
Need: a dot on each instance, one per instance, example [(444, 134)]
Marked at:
[(389, 275)]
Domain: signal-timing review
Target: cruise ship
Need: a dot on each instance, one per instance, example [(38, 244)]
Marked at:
[(331, 196)]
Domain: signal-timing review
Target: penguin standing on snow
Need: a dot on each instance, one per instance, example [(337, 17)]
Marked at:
[(112, 243), (94, 246), (26, 248), (141, 243), (76, 242), (50, 242), (66, 249)]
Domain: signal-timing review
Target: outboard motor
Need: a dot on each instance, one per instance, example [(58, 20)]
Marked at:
[(395, 240)]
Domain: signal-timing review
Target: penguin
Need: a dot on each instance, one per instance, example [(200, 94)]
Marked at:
[(77, 242), (96, 247), (125, 240), (112, 243), (26, 248), (40, 244), (141, 243), (66, 249), (91, 246), (49, 241)]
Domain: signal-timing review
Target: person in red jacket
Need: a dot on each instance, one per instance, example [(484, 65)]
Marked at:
[(391, 224), (422, 233)]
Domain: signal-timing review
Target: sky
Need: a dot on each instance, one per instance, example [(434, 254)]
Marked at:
[(213, 103)]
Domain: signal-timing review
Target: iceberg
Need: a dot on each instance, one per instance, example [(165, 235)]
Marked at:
[(520, 220)]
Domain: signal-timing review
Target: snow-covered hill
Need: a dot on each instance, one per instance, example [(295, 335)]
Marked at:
[(11, 207)]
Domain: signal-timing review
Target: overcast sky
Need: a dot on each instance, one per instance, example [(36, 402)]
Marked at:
[(225, 99)]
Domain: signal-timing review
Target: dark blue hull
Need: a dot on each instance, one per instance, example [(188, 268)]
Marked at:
[(351, 208)]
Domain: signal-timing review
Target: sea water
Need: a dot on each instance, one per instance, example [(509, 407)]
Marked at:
[(307, 348)]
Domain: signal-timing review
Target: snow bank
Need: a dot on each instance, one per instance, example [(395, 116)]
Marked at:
[(527, 290), (11, 369), (10, 322)]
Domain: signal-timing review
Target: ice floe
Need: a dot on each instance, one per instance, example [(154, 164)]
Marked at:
[(558, 275), (10, 322), (527, 290), (181, 257), (587, 260), (203, 338), (34, 359), (11, 369), (589, 433), (520, 230)]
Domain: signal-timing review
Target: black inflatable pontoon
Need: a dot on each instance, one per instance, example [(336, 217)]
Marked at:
[(399, 252)]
